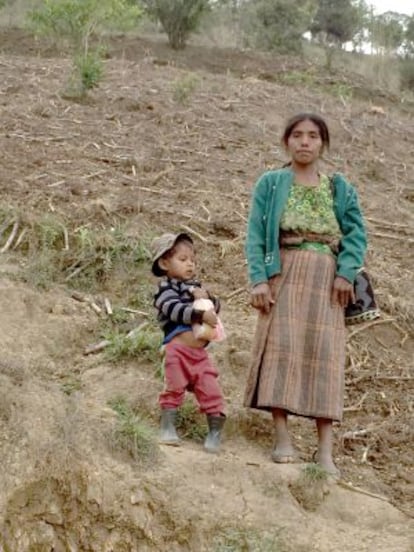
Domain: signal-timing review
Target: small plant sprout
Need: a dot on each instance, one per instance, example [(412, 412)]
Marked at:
[(184, 87), (133, 433), (190, 423), (315, 472)]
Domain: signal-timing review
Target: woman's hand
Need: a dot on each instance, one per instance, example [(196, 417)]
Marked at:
[(261, 297), (342, 292)]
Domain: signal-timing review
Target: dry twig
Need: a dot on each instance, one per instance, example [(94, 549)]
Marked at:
[(20, 238), (390, 224), (358, 405), (354, 435), (108, 306), (392, 237), (351, 487), (101, 345), (10, 239), (134, 311), (77, 271), (160, 175), (85, 299), (96, 347), (151, 190), (234, 293), (4, 226), (65, 238), (197, 234)]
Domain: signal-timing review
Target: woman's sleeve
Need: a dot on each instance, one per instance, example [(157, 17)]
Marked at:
[(353, 245), (255, 247)]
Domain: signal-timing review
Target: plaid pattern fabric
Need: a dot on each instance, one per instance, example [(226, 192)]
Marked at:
[(299, 347)]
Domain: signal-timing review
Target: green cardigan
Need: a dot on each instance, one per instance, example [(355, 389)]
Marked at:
[(262, 243)]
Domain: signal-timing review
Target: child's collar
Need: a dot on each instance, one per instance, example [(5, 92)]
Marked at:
[(188, 283)]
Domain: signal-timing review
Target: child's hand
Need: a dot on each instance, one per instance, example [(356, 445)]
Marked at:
[(199, 293), (210, 318)]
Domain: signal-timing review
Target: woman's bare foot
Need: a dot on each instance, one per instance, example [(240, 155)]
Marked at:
[(323, 456), (284, 454), (325, 460)]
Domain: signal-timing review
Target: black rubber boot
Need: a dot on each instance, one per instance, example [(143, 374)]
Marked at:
[(215, 426), (168, 434)]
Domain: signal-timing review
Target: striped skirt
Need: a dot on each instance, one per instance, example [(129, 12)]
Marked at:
[(298, 356)]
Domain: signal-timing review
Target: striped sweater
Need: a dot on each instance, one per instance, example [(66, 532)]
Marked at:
[(174, 303)]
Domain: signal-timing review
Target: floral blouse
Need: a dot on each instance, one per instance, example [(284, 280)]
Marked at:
[(310, 209)]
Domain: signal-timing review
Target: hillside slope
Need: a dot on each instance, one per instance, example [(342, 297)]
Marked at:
[(166, 144)]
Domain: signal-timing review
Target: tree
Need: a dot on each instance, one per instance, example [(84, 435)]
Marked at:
[(409, 36), (277, 24), (77, 21), (387, 31), (179, 18), (335, 22), (360, 36)]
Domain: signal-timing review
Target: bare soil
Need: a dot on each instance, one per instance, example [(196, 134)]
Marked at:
[(145, 151)]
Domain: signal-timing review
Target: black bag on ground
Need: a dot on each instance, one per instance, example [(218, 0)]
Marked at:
[(365, 307)]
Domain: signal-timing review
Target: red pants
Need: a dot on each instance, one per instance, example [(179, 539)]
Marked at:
[(189, 368)]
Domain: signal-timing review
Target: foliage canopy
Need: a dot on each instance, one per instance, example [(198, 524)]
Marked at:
[(78, 22), (278, 24), (179, 18), (336, 21)]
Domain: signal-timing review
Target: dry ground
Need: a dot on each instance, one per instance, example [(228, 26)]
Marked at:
[(174, 141)]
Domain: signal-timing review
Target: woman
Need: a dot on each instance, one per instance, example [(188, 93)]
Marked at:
[(305, 243)]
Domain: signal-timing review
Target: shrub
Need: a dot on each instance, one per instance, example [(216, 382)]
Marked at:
[(77, 22), (87, 73), (179, 18), (184, 87), (277, 24)]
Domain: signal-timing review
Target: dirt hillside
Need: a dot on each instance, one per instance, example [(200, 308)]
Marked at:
[(173, 142)]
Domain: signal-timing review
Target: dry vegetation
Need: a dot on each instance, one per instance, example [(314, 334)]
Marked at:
[(175, 141)]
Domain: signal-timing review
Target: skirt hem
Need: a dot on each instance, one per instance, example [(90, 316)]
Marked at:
[(311, 415)]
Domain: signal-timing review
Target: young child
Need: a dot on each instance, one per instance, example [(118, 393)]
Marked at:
[(187, 364)]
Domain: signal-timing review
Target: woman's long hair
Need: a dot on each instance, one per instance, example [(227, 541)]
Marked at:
[(315, 119)]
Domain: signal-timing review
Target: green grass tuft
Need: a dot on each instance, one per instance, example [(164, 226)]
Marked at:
[(190, 423), (145, 344), (314, 473), (184, 87), (234, 539), (133, 433)]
